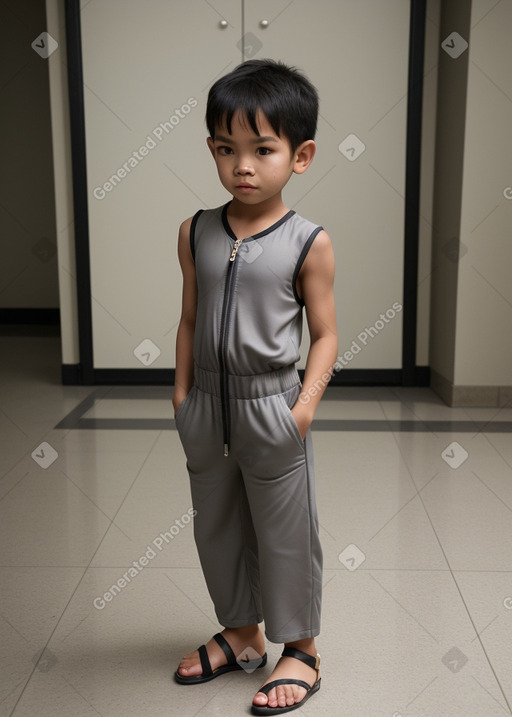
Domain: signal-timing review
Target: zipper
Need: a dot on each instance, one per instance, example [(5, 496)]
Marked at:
[(235, 249), (224, 382)]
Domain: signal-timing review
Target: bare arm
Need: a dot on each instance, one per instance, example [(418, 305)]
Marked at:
[(315, 286), (184, 376)]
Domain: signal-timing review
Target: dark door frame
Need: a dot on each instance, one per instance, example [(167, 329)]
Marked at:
[(84, 373)]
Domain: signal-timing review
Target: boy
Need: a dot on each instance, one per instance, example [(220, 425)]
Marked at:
[(243, 418)]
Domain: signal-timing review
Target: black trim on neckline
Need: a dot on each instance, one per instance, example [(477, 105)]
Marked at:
[(274, 226)]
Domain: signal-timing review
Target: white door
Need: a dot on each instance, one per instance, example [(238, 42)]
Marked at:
[(356, 53), (147, 69)]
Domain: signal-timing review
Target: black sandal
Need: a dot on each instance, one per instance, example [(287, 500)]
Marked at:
[(232, 665), (303, 657)]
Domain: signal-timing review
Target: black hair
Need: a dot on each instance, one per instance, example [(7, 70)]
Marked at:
[(283, 94)]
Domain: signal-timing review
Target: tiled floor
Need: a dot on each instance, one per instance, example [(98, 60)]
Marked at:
[(422, 626)]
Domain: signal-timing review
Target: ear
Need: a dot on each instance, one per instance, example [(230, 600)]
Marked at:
[(303, 156), (211, 145)]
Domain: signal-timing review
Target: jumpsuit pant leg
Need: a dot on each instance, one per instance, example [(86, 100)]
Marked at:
[(256, 527), (277, 469), (223, 529)]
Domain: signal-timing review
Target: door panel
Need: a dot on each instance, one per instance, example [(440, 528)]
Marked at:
[(148, 64), (134, 85), (359, 203)]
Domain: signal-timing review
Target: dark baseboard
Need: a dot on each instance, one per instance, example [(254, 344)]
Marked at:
[(71, 375), (35, 317)]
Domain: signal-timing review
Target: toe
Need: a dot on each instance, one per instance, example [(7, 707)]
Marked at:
[(183, 668), (282, 695), (272, 698), (298, 694), (188, 667), (260, 699), (290, 694)]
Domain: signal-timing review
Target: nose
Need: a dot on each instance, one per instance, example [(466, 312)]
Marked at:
[(243, 167)]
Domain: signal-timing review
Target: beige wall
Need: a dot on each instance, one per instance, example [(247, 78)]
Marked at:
[(471, 319), (449, 156), (483, 349), (28, 269)]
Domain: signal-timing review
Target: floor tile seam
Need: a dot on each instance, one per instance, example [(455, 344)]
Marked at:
[(24, 455), (324, 425), (486, 436), (198, 567), (453, 577), (75, 590), (464, 603), (85, 404)]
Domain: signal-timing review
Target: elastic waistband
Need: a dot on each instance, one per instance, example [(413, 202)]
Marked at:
[(254, 386)]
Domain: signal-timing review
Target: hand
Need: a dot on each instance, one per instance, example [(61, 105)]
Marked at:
[(177, 400), (303, 418)]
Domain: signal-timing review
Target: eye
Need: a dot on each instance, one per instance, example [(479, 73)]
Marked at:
[(224, 150), (264, 151)]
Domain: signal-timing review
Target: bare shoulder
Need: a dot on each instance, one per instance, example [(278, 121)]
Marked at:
[(322, 243), (184, 230), (184, 252), (320, 256)]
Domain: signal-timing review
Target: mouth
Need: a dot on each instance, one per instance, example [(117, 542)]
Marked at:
[(245, 185)]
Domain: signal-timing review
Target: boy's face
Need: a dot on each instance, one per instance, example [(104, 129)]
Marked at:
[(254, 168)]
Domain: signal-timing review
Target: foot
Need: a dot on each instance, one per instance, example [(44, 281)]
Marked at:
[(238, 639), (289, 667)]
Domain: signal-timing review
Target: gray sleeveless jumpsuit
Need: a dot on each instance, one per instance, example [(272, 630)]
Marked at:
[(251, 474)]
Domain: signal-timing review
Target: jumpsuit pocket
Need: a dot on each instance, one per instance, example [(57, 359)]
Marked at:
[(289, 415), (182, 406)]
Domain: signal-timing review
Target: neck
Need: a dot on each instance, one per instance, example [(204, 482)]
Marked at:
[(252, 212)]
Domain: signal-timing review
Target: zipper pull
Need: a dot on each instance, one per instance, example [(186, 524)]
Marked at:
[(235, 249), (226, 449)]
